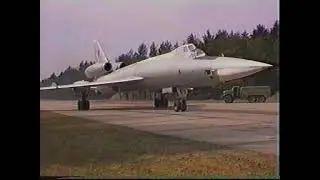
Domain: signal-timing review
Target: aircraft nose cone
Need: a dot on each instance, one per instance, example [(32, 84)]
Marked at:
[(241, 68), (250, 63), (260, 64)]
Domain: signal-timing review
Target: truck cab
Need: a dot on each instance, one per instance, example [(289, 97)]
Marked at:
[(230, 94), (236, 91), (251, 93)]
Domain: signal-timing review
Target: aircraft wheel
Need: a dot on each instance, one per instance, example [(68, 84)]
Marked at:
[(183, 105), (177, 106), (228, 99), (86, 105), (80, 105), (156, 103), (83, 105), (165, 103)]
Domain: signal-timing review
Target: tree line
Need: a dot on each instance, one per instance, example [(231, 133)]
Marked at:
[(262, 44)]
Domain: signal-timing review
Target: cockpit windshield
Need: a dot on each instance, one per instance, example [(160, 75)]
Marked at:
[(190, 50), (195, 51), (199, 52), (191, 47)]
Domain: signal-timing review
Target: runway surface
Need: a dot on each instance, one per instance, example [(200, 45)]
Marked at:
[(239, 125)]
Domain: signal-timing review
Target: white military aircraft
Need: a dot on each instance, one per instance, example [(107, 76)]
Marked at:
[(183, 68)]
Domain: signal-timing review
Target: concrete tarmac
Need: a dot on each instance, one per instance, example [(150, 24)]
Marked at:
[(239, 125)]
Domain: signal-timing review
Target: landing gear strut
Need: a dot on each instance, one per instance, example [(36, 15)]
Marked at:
[(180, 99), (160, 100), (83, 103)]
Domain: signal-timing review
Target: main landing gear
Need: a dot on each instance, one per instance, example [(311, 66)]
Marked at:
[(83, 103), (180, 99), (160, 100)]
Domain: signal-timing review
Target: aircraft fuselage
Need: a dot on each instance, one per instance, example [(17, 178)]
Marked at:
[(181, 72)]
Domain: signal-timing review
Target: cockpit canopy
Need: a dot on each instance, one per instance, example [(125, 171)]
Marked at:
[(189, 50)]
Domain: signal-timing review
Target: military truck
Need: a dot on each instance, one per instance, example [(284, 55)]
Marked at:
[(251, 93)]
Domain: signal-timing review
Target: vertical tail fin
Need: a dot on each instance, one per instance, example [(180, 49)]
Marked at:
[(98, 52)]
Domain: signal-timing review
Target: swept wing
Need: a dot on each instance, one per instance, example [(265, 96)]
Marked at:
[(94, 84)]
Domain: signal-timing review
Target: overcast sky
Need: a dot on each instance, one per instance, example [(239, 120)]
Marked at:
[(68, 27)]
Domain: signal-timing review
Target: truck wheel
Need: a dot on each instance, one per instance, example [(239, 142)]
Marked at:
[(228, 99), (262, 99), (252, 99)]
